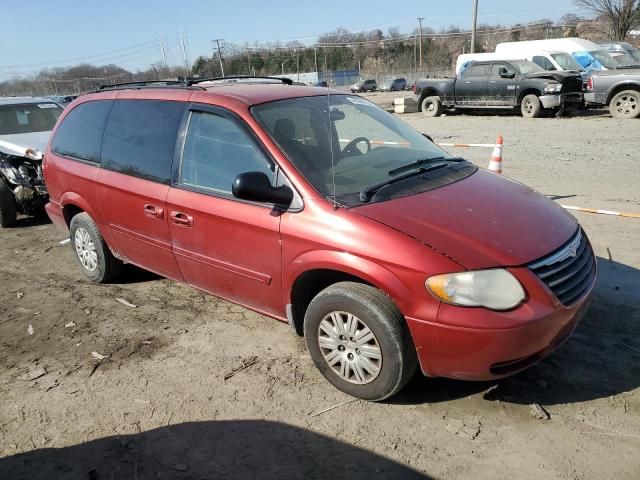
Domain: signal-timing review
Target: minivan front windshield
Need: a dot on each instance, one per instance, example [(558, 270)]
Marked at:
[(345, 143)]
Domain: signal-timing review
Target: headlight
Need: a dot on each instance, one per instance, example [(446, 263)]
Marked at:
[(494, 289), (553, 88)]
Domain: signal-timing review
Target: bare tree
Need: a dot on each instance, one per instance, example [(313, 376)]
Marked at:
[(620, 15)]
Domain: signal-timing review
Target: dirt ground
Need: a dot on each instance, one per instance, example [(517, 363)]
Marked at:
[(172, 397)]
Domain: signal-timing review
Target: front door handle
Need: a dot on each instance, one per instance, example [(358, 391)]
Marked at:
[(181, 219), (153, 211)]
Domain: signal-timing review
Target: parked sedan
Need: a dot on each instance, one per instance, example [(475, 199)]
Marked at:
[(394, 85), (366, 86)]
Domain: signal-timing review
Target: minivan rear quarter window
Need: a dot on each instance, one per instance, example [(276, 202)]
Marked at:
[(80, 133), (140, 138)]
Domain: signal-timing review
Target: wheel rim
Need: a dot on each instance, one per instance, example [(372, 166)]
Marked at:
[(85, 249), (627, 104), (528, 106), (350, 348)]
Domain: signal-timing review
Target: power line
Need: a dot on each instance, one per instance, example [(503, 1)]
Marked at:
[(78, 59)]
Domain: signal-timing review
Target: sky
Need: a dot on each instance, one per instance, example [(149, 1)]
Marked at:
[(47, 33)]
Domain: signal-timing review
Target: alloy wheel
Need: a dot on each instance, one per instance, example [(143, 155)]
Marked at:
[(85, 249), (350, 347), (626, 105)]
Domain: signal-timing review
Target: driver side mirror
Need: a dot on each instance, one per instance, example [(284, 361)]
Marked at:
[(256, 187)]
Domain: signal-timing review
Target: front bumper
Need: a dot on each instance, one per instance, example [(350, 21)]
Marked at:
[(561, 100), (453, 347)]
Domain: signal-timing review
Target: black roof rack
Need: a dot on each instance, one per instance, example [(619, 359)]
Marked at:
[(285, 80), (148, 84)]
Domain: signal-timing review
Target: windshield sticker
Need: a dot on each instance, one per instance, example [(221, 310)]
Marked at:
[(360, 101), (47, 105)]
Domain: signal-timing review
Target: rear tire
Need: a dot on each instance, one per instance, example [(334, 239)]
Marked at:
[(358, 340), (531, 106), (431, 107), (625, 104), (90, 250), (8, 210)]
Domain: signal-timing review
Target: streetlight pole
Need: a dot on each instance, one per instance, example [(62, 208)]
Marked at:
[(420, 19), (474, 26)]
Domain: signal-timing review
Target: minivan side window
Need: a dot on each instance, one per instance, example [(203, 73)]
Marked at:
[(140, 138), (80, 133), (216, 151)]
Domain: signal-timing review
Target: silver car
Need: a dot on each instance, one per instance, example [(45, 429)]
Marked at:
[(25, 126)]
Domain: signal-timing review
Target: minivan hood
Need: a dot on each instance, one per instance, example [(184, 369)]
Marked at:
[(37, 140), (483, 221)]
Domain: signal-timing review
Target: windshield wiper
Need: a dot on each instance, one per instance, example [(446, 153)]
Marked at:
[(367, 192), (422, 161)]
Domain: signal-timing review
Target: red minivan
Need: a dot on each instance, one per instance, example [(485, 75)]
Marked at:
[(320, 209)]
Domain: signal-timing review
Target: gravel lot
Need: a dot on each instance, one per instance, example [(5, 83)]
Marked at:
[(158, 405)]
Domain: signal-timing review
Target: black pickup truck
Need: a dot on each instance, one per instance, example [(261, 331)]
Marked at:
[(502, 84)]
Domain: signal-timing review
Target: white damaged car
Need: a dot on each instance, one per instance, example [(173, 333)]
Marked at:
[(25, 126)]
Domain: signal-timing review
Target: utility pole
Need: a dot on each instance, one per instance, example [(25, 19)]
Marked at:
[(184, 53), (474, 26), (217, 40), (420, 19), (164, 55), (249, 60), (297, 65), (315, 58)]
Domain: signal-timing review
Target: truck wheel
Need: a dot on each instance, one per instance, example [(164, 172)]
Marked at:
[(357, 338), (92, 253), (531, 106), (431, 107), (625, 104), (8, 213)]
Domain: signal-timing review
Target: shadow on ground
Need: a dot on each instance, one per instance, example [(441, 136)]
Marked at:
[(208, 450), (600, 359)]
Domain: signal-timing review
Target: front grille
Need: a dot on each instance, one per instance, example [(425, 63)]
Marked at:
[(570, 271), (571, 85)]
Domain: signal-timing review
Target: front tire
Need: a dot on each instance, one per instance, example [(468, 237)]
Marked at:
[(8, 210), (90, 250), (431, 107), (358, 340), (531, 106), (625, 104)]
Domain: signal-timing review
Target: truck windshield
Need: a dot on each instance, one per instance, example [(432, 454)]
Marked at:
[(566, 62), (28, 117), (605, 59), (343, 139), (624, 58), (525, 66)]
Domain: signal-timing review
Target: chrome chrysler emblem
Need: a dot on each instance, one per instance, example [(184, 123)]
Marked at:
[(573, 250)]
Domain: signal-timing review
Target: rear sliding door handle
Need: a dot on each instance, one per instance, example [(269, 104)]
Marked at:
[(181, 219), (153, 211)]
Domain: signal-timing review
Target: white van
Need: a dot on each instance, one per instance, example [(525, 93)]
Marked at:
[(549, 60), (588, 55)]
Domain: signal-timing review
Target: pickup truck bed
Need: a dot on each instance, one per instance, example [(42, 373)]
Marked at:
[(619, 89)]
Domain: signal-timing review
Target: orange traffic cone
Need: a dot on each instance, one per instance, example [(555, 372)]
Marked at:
[(495, 164)]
